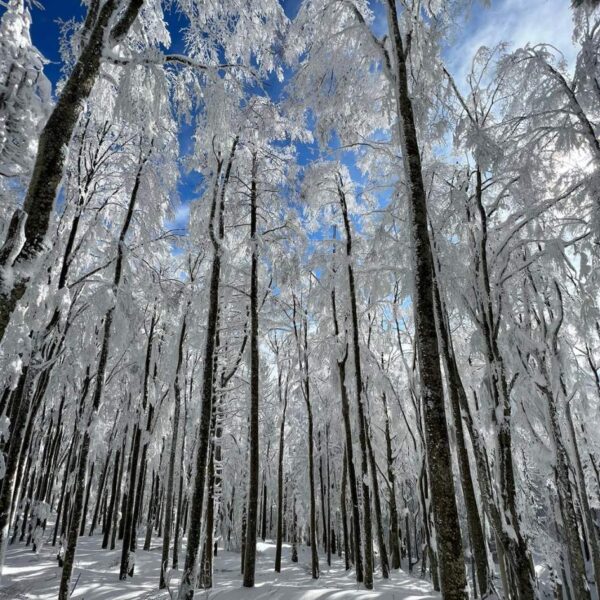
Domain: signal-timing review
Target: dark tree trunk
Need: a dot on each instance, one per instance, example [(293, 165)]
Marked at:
[(344, 511), (87, 500), (394, 524), (362, 423), (329, 531), (129, 531), (447, 527), (283, 397), (263, 532), (294, 557), (473, 518), (252, 516), (152, 510), (590, 526), (113, 498), (114, 517), (22, 404), (186, 590), (100, 493), (206, 560), (179, 375), (69, 466), (303, 364), (322, 490), (385, 565), (180, 500), (349, 454)]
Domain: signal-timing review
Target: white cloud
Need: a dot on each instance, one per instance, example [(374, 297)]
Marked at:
[(181, 217), (517, 22)]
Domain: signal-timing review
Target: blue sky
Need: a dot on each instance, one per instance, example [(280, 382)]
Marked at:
[(487, 23)]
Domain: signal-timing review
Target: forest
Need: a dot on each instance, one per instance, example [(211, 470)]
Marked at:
[(299, 300)]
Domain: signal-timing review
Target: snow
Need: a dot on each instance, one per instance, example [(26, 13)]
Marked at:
[(30, 576)]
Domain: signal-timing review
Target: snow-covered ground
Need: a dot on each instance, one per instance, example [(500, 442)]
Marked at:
[(29, 576)]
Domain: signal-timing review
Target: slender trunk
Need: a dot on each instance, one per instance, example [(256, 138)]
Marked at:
[(18, 425), (87, 499), (349, 453), (280, 509), (265, 500), (303, 363), (180, 503), (113, 498), (473, 518), (252, 516), (172, 459), (206, 562), (585, 503), (343, 507), (69, 466), (394, 525), (445, 512), (127, 556), (385, 565), (294, 532), (522, 575), (564, 490), (186, 589), (100, 493), (151, 512), (362, 423), (322, 490), (329, 537), (408, 541), (114, 517)]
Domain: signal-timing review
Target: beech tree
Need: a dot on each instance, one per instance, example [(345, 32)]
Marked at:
[(288, 293)]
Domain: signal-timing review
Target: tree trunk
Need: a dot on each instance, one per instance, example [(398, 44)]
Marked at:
[(69, 467), (180, 502), (343, 507), (114, 517), (113, 498), (100, 493), (322, 490), (206, 562), (186, 589), (385, 565), (294, 557), (303, 364), (127, 556), (87, 499), (252, 516), (394, 525), (447, 527), (576, 562), (362, 423), (18, 426), (590, 526), (473, 518), (349, 453), (329, 537), (151, 512), (283, 397), (164, 564)]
